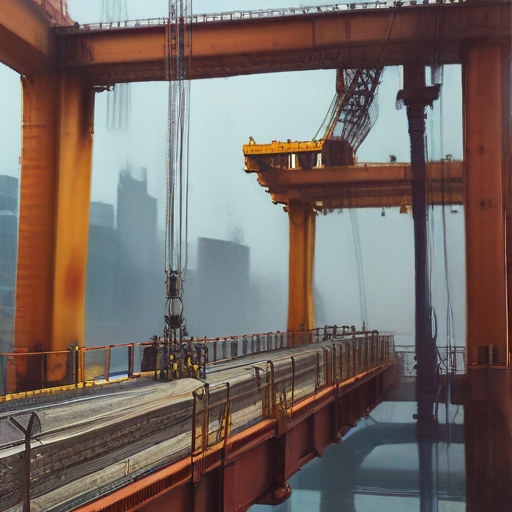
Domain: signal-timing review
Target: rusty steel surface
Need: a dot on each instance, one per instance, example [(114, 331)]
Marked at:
[(54, 212), (362, 185), (352, 38), (27, 44), (254, 465), (483, 200)]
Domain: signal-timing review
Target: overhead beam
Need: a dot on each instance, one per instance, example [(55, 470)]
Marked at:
[(355, 38), (27, 43), (363, 185)]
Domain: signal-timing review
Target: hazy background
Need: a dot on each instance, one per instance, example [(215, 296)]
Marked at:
[(227, 204)]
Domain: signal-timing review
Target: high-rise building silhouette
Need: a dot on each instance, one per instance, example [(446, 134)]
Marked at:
[(139, 286), (125, 278), (101, 265), (8, 256), (217, 294)]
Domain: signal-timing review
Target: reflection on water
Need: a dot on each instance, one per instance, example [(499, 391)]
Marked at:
[(376, 467)]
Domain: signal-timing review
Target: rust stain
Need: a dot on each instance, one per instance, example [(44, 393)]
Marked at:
[(347, 29), (74, 283)]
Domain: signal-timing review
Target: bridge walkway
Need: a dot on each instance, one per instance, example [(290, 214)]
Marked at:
[(90, 446)]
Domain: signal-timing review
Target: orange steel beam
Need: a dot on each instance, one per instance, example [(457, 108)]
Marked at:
[(356, 38), (254, 465), (54, 212), (483, 200), (362, 185), (27, 43), (302, 219)]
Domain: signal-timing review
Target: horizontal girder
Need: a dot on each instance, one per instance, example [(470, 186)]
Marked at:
[(344, 39), (363, 185), (27, 43)]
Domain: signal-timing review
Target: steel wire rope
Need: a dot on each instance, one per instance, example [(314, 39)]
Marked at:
[(448, 359), (178, 50), (359, 263)]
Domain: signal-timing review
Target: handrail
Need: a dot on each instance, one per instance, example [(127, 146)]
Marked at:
[(255, 14), (275, 391), (78, 371)]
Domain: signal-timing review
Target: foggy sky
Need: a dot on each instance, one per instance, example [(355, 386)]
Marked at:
[(224, 113)]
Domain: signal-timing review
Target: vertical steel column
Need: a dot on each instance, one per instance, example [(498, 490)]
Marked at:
[(34, 287), (76, 118), (54, 212), (416, 97), (483, 200), (302, 219)]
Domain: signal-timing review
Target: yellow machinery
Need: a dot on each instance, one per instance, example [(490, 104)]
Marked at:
[(296, 155)]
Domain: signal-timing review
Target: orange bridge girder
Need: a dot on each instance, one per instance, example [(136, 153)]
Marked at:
[(354, 38), (363, 185), (254, 465)]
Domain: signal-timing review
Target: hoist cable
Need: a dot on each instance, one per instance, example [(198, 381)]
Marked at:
[(359, 264), (178, 55)]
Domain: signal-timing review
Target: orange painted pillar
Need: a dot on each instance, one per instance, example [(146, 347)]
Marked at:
[(34, 287), (54, 211), (302, 219), (76, 110), (483, 200)]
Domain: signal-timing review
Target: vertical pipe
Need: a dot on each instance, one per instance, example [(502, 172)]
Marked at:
[(416, 97)]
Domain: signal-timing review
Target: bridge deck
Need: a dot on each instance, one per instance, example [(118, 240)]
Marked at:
[(91, 446)]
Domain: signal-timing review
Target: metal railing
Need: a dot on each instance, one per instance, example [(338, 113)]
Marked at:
[(258, 14), (29, 371), (40, 462), (281, 383), (450, 360)]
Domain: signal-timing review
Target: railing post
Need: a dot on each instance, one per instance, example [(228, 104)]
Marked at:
[(357, 358), (3, 365), (70, 372), (272, 390), (43, 370), (81, 365), (328, 367), (317, 380), (130, 359), (227, 412), (32, 427), (107, 363), (293, 379), (200, 420)]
